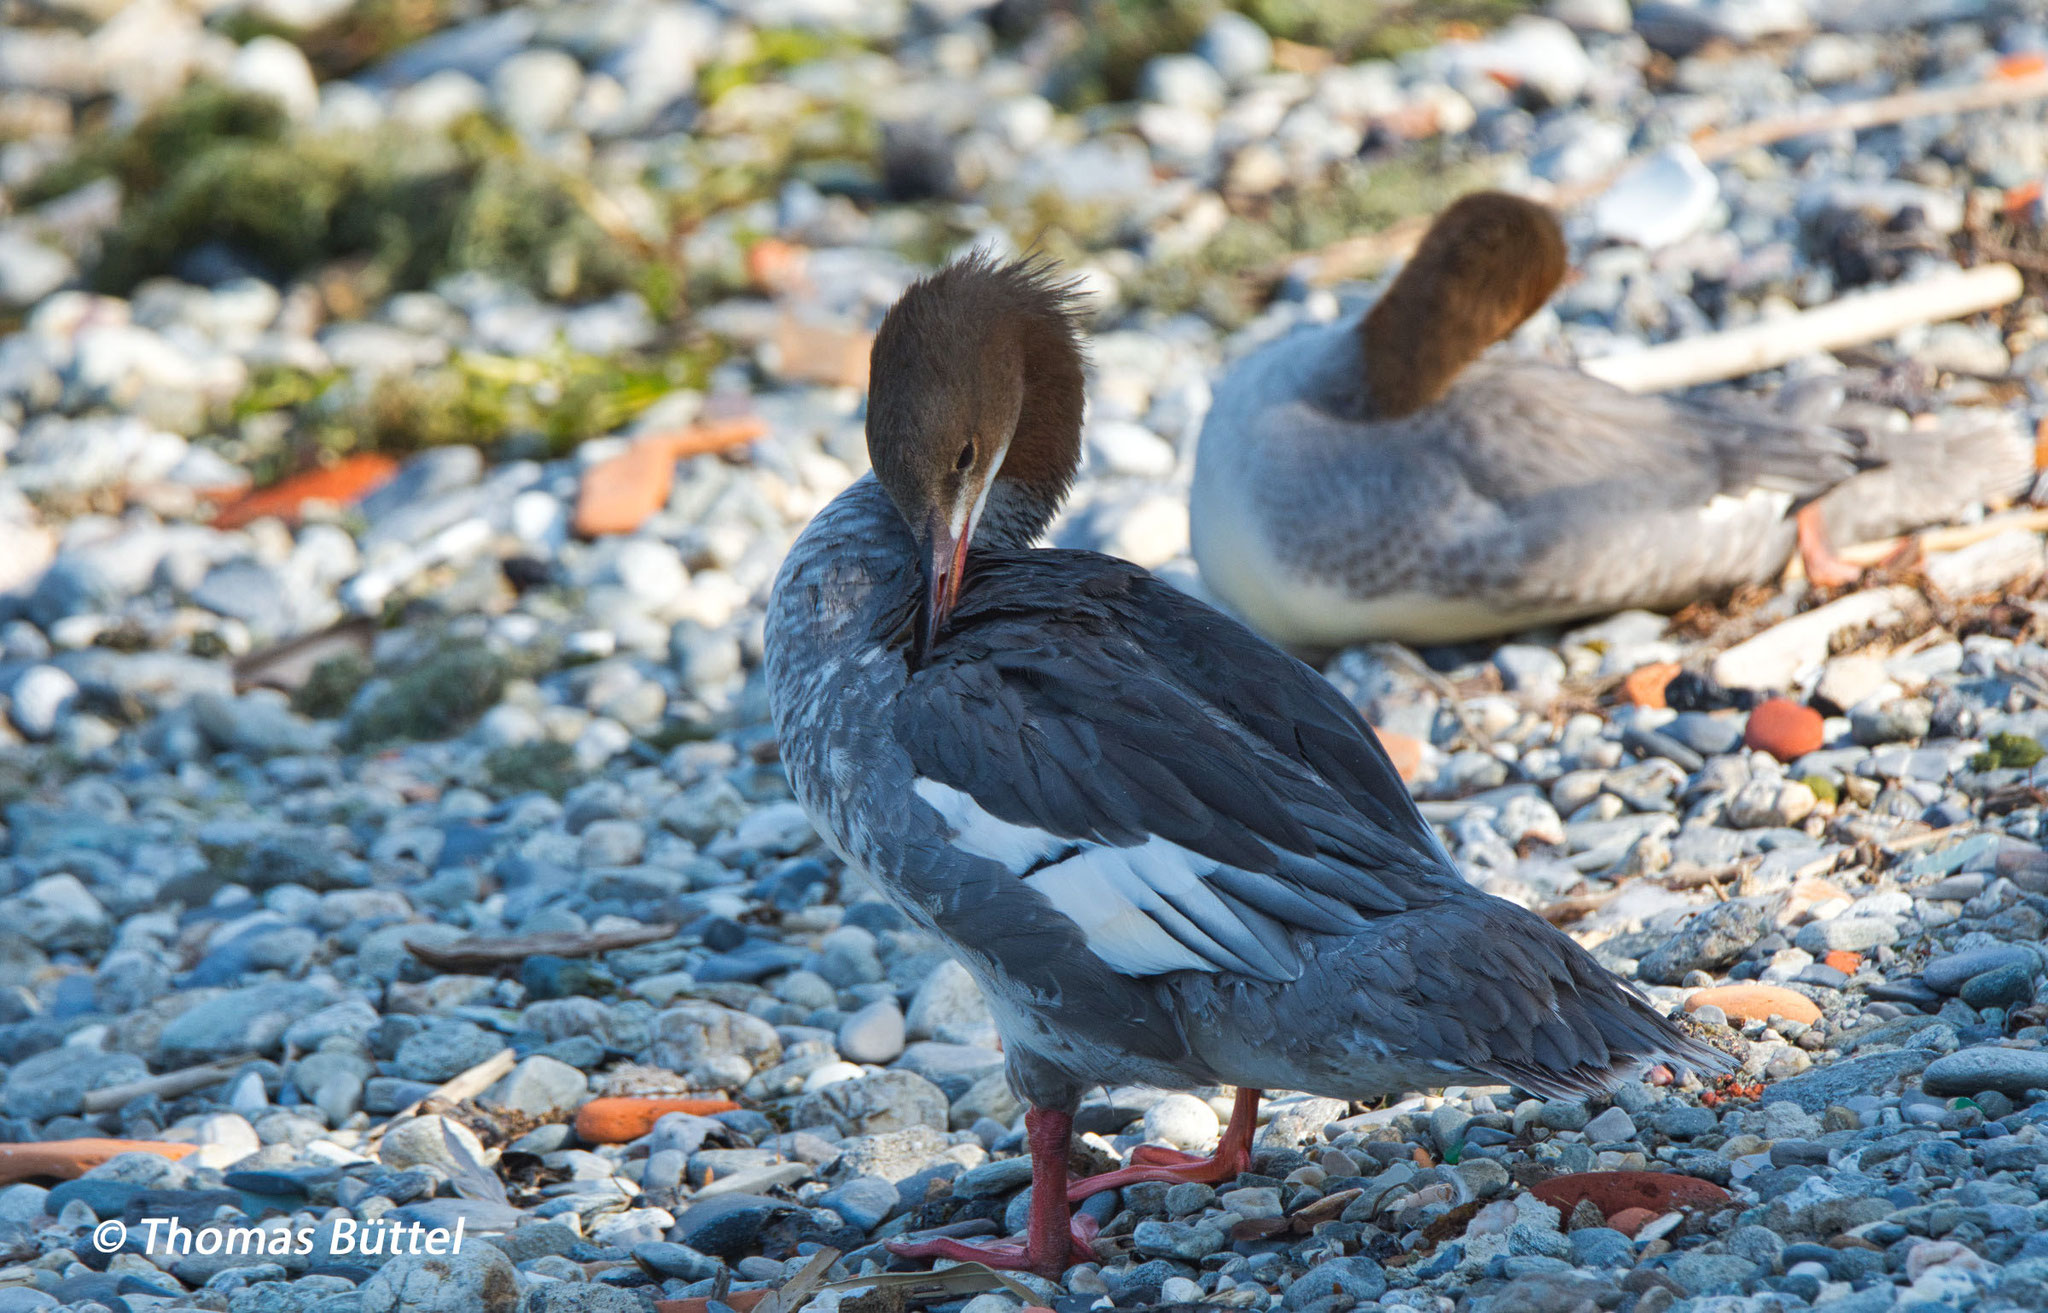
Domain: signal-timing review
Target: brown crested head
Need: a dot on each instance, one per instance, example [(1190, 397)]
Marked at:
[(1488, 262), (975, 396)]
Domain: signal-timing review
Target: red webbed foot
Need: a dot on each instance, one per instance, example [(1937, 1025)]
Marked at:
[(1154, 1163)]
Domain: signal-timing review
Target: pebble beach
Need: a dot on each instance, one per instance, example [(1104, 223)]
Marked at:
[(405, 407)]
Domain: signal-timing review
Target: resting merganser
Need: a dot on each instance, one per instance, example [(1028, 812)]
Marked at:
[(1170, 854), (1385, 477)]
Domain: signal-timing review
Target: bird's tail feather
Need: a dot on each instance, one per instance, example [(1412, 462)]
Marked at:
[(1930, 476)]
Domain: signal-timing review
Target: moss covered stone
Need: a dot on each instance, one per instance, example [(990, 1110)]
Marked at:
[(2008, 751), (541, 767), (331, 686), (438, 698)]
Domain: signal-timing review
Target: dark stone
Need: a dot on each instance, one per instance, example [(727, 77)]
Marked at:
[(918, 161), (1822, 1087), (750, 963), (545, 976), (1655, 743), (720, 934), (2001, 987), (1709, 941), (793, 881), (876, 916), (1710, 736), (729, 1225), (666, 1259)]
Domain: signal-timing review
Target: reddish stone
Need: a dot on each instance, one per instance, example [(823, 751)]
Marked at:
[(1612, 1192), (1844, 961), (342, 484), (1755, 1003), (1784, 728), (618, 494), (1644, 686), (1405, 751), (1631, 1220)]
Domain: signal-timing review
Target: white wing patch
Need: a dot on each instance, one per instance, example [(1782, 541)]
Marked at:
[(1112, 914), (1144, 909), (1722, 507), (1017, 847)]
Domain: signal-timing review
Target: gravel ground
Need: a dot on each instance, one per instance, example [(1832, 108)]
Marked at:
[(279, 776)]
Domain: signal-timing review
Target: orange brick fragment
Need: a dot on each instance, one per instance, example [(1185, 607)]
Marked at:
[(620, 493), (619, 1118), (343, 484), (1644, 686), (1404, 750), (1747, 1002)]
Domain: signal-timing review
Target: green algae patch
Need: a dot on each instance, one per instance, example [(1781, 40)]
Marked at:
[(438, 697), (544, 766), (1227, 278), (2007, 751), (405, 208), (290, 419), (331, 686)]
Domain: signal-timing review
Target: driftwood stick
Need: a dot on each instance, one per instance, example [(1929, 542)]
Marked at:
[(1354, 257), (464, 954), (1859, 114), (1950, 539), (1847, 321), (170, 1085), (464, 1085)]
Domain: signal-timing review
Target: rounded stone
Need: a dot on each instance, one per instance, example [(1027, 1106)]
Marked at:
[(2001, 987), (1784, 728), (478, 1279), (1986, 1067), (1183, 1121), (41, 697), (873, 1034), (1742, 1003)]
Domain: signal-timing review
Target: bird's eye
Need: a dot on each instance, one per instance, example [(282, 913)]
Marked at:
[(966, 460)]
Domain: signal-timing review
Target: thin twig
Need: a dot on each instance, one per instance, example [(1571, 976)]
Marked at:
[(797, 1289), (464, 1085), (1848, 321), (1878, 112), (169, 1085), (464, 954)]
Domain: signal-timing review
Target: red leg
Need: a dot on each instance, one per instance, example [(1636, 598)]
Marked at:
[(1233, 1155), (1824, 569), (1054, 1236)]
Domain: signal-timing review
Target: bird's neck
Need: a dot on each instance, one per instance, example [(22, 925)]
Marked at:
[(1017, 514), (1410, 361)]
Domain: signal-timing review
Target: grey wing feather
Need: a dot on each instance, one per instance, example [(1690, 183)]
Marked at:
[(1601, 444), (1078, 696)]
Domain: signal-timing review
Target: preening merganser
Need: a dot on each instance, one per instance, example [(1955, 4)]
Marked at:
[(1387, 477), (1170, 853)]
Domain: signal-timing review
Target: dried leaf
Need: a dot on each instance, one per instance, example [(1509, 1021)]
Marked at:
[(471, 1179)]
